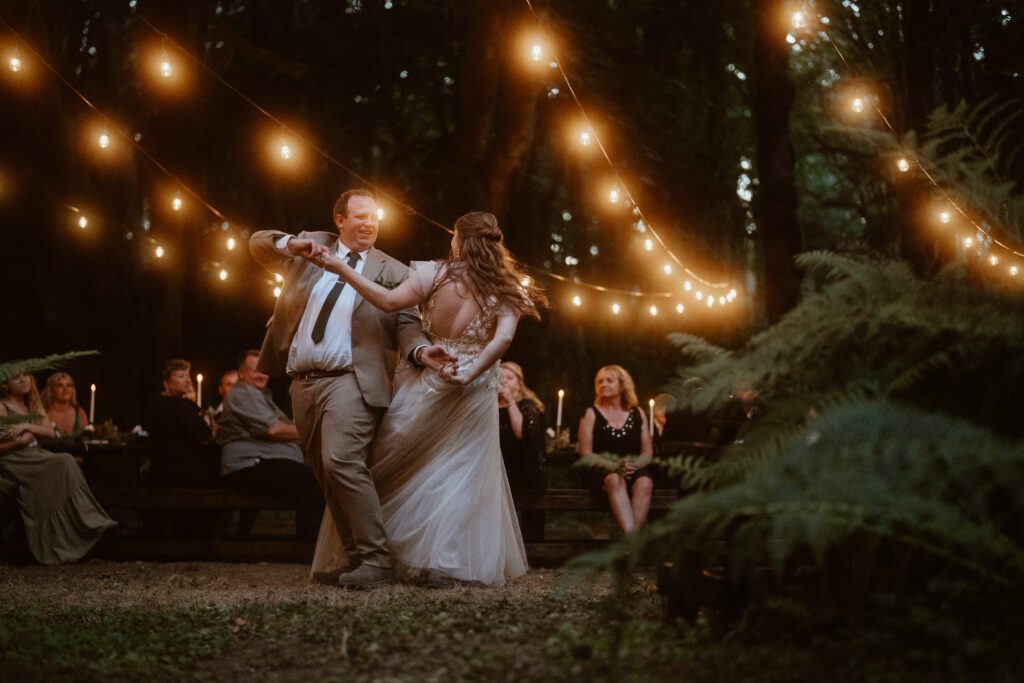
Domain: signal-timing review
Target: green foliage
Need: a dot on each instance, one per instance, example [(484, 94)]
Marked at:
[(34, 365)]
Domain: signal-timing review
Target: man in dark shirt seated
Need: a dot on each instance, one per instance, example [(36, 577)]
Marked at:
[(184, 454), (261, 451)]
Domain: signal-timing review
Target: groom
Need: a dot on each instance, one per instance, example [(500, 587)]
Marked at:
[(341, 353)]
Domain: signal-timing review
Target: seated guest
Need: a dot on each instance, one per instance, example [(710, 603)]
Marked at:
[(521, 430), (62, 518), (615, 425), (261, 451), (212, 414), (183, 450), (61, 404)]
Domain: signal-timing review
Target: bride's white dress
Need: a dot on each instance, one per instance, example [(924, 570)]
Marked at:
[(436, 463)]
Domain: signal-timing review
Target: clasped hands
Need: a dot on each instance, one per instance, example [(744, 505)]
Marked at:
[(434, 357)]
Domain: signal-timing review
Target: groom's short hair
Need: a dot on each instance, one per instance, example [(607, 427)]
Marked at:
[(341, 205)]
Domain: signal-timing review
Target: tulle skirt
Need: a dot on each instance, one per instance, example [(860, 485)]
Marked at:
[(436, 463)]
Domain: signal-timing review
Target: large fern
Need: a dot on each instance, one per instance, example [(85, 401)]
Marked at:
[(34, 365)]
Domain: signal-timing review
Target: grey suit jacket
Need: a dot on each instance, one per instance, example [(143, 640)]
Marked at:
[(377, 336)]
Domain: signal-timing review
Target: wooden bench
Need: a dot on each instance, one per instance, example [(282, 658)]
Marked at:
[(540, 550)]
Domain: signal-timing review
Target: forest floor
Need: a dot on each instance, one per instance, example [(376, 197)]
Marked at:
[(101, 620)]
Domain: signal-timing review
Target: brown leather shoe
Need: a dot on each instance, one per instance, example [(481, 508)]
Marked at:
[(367, 576), (331, 578)]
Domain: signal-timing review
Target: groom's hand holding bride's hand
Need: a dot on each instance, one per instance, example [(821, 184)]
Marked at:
[(437, 359)]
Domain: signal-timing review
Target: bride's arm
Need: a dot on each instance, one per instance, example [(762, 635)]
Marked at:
[(403, 296), (505, 330)]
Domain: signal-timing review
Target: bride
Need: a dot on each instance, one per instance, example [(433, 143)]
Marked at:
[(436, 460)]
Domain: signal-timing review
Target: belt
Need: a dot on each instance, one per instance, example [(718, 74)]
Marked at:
[(320, 374)]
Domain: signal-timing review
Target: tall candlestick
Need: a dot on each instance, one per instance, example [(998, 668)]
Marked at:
[(199, 390), (651, 404), (558, 415), (92, 404)]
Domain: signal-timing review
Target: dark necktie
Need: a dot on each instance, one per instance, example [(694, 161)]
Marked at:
[(332, 297)]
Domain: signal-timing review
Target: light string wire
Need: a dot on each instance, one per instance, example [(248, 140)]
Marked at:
[(410, 209), (892, 129), (604, 152)]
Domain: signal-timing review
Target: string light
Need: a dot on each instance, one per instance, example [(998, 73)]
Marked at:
[(83, 222), (903, 165), (649, 245), (994, 260), (687, 286), (286, 151), (857, 105), (680, 308), (223, 274), (799, 20), (536, 52), (711, 301), (653, 310), (176, 203), (104, 141), (968, 242), (166, 70), (380, 214), (14, 63), (585, 138), (576, 300), (699, 295), (277, 292), (667, 268), (945, 216), (159, 251), (616, 309), (230, 245), (1013, 271), (278, 277), (613, 195)]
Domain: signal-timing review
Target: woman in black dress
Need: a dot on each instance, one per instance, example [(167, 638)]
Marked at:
[(521, 430), (616, 425)]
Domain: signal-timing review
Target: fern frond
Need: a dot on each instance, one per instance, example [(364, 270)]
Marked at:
[(34, 365)]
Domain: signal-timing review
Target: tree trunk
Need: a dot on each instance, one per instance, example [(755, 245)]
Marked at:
[(775, 200)]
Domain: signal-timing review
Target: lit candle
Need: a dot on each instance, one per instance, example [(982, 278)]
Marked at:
[(92, 404), (558, 415), (651, 404), (199, 390)]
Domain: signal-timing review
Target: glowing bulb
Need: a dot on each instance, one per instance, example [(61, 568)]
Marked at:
[(525, 282), (649, 245), (721, 300), (380, 214), (104, 141), (176, 203), (667, 268), (277, 292), (699, 295), (613, 195), (616, 309), (223, 274), (994, 260), (680, 308), (711, 301), (968, 242), (286, 152), (799, 20), (857, 105), (687, 286), (231, 243), (653, 310), (585, 138), (165, 68), (14, 64), (945, 216), (903, 165), (159, 252), (576, 300), (83, 222), (536, 52), (278, 277), (732, 293), (561, 393), (1013, 271)]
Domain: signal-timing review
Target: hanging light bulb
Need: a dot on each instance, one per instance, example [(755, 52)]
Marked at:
[(968, 242), (223, 274), (680, 308), (613, 195), (903, 165), (278, 277), (994, 260), (286, 151), (649, 245), (799, 20), (576, 300), (176, 203), (585, 138), (667, 268), (14, 63), (83, 222), (857, 105), (721, 301), (699, 295), (166, 70), (945, 216), (380, 214), (616, 309), (230, 244), (653, 310), (536, 52), (687, 286), (104, 141), (159, 251), (1013, 271), (277, 292)]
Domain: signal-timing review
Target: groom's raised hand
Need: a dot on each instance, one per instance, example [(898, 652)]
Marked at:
[(304, 247)]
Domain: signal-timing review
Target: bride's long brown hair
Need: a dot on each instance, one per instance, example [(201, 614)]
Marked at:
[(485, 264)]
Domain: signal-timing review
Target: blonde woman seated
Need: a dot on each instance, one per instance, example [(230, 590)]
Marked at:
[(62, 518), (615, 425), (61, 403)]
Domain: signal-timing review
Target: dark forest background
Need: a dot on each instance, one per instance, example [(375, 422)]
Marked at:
[(722, 127)]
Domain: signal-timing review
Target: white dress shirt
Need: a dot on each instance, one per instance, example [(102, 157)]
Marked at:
[(334, 352)]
